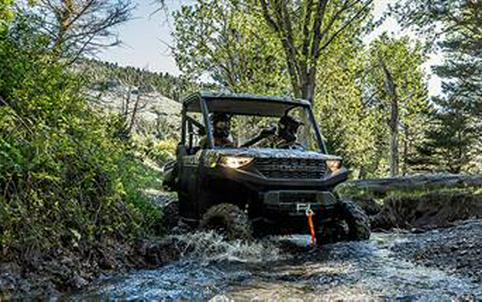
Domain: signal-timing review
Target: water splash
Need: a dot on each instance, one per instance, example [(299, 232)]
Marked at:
[(208, 247)]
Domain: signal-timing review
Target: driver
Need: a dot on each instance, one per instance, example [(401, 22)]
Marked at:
[(221, 131), (282, 136), (286, 134)]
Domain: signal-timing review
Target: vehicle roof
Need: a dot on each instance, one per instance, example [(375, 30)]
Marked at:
[(243, 104)]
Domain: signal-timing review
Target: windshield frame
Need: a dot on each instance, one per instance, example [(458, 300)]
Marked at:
[(204, 109)]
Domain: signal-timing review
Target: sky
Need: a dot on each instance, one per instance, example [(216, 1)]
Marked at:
[(147, 36)]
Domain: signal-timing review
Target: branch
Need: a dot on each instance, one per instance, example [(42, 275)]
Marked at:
[(268, 17), (349, 22), (317, 36), (306, 33)]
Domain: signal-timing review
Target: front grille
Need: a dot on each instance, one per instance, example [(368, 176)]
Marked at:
[(297, 168)]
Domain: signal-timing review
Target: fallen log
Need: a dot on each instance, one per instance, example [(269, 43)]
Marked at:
[(384, 185)]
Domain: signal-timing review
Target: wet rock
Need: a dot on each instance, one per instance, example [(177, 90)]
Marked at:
[(455, 250), (156, 253), (77, 282)]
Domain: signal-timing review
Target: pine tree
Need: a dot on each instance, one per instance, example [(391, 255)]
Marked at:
[(450, 139), (457, 28)]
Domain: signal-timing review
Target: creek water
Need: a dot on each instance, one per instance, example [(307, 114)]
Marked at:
[(284, 268)]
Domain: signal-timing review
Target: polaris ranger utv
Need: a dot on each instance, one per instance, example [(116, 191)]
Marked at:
[(253, 182)]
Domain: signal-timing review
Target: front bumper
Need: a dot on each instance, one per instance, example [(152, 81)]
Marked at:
[(285, 211), (297, 203)]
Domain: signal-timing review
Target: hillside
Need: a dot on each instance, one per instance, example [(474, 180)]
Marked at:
[(148, 101)]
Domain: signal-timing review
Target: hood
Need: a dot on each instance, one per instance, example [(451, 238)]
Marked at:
[(270, 153)]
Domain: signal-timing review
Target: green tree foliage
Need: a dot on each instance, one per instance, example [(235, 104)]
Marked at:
[(457, 28), (450, 139), (305, 29), (66, 180), (231, 44), (6, 12), (354, 108), (349, 125)]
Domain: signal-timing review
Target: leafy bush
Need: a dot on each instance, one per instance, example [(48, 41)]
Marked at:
[(66, 179), (164, 150)]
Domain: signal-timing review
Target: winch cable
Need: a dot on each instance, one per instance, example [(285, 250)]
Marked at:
[(311, 226)]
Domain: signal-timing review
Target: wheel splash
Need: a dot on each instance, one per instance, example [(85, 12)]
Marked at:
[(209, 246)]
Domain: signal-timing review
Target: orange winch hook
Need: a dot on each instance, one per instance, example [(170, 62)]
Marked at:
[(311, 226)]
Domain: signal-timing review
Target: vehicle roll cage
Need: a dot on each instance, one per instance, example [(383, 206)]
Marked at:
[(198, 102)]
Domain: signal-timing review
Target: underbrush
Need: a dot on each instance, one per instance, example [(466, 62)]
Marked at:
[(68, 180)]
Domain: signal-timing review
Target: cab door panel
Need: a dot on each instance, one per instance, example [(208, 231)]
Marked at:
[(188, 186)]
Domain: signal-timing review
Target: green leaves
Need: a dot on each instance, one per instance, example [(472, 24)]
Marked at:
[(6, 12), (230, 44), (65, 179)]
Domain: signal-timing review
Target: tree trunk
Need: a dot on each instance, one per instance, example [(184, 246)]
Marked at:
[(394, 160), (127, 102), (394, 119), (134, 112), (405, 150), (362, 173), (307, 93)]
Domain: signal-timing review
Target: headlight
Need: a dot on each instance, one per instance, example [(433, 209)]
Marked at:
[(333, 164), (235, 161)]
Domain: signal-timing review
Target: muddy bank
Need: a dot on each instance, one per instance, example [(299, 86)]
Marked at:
[(53, 272), (59, 271), (428, 210), (417, 203)]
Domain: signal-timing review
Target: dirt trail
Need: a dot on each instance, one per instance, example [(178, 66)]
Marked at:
[(389, 266)]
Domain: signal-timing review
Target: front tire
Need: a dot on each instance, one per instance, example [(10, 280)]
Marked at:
[(351, 225), (229, 219), (356, 219)]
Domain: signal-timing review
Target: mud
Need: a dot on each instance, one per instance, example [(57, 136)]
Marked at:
[(427, 211), (390, 266)]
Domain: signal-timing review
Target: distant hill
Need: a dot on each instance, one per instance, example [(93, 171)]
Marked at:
[(152, 98), (106, 75), (157, 116)]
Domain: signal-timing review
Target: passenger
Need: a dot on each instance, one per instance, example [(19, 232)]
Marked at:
[(221, 123)]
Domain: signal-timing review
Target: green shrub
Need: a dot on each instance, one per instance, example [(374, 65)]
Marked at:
[(66, 178), (164, 150)]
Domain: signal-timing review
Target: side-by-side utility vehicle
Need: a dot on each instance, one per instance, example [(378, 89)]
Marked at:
[(264, 172)]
